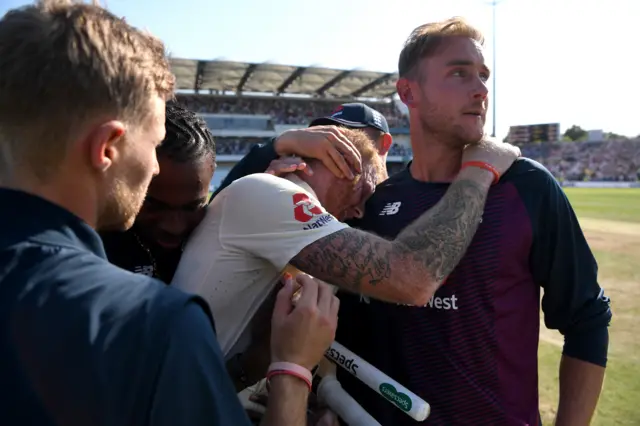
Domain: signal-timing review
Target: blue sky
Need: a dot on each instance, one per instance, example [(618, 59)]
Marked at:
[(567, 61)]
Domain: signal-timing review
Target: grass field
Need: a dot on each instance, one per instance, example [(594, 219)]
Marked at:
[(610, 219)]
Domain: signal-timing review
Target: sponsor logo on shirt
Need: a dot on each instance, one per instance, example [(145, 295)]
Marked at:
[(443, 303), (391, 208), (144, 270), (322, 221), (345, 362), (305, 209)]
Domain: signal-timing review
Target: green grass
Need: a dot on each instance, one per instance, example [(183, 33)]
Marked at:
[(617, 249), (621, 204)]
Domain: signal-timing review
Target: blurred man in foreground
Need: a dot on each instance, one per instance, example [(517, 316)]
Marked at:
[(83, 342), (471, 352)]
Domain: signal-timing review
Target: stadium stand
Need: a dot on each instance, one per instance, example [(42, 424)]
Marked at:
[(246, 103), (603, 161)]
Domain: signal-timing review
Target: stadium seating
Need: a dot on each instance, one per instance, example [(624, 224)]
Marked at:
[(282, 110), (614, 160)]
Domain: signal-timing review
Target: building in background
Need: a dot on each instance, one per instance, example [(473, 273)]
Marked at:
[(531, 133)]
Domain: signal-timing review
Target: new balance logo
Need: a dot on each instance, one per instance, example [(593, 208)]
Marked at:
[(390, 208), (144, 270)]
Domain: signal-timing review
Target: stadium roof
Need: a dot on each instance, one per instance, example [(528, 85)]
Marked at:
[(223, 76)]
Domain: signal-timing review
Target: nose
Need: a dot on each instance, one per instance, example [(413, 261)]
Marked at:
[(480, 90), (173, 223)]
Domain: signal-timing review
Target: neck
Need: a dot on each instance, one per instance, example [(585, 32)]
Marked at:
[(301, 176), (434, 160), (66, 193)]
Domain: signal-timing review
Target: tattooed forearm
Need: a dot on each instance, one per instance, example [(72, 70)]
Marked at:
[(347, 259), (412, 267), (440, 237)]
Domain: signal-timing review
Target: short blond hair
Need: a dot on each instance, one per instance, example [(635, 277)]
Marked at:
[(425, 40), (64, 63)]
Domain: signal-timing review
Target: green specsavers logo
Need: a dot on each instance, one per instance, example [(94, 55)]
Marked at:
[(400, 399)]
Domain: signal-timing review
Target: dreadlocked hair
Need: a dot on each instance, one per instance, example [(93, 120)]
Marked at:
[(188, 138)]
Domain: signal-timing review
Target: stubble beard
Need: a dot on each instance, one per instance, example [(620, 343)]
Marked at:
[(121, 207)]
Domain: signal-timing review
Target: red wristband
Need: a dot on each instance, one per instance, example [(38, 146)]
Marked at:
[(483, 165), (289, 369)]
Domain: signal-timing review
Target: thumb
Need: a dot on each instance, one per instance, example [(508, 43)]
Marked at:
[(283, 305)]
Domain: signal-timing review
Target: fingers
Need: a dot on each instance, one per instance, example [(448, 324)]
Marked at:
[(325, 294), (341, 152), (335, 307), (288, 165), (337, 164), (348, 151), (283, 305), (309, 296)]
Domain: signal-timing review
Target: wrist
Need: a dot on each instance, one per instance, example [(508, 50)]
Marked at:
[(479, 175), (282, 144), (294, 371), (289, 382)]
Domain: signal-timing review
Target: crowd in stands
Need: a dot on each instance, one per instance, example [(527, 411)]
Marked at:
[(283, 110), (614, 160), (241, 146)]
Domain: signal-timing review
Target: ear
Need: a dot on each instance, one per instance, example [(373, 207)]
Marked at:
[(386, 140), (104, 143), (404, 91)]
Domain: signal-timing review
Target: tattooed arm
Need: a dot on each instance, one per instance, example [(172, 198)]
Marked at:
[(410, 268)]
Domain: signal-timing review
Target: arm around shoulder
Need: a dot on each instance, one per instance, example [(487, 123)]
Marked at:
[(411, 268)]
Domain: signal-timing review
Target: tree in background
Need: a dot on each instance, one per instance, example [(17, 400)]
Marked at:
[(575, 133)]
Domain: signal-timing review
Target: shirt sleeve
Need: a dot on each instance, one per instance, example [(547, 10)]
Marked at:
[(256, 161), (193, 387), (562, 262), (273, 218)]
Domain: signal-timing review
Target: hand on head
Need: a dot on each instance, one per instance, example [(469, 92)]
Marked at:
[(282, 166), (302, 333), (325, 143)]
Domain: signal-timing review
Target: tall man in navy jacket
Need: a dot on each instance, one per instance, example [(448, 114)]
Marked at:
[(472, 351)]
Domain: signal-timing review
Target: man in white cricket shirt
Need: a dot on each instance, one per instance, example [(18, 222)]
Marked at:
[(261, 223), (254, 228)]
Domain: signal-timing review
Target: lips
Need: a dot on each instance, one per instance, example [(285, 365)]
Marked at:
[(170, 243)]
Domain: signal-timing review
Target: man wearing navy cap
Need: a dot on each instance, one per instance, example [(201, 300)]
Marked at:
[(360, 116), (321, 131)]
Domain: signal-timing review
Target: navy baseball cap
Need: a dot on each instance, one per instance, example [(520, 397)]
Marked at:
[(354, 115)]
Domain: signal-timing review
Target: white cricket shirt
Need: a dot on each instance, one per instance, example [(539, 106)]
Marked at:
[(250, 232)]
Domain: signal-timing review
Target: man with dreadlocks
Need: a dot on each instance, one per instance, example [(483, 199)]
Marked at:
[(177, 197), (175, 200)]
